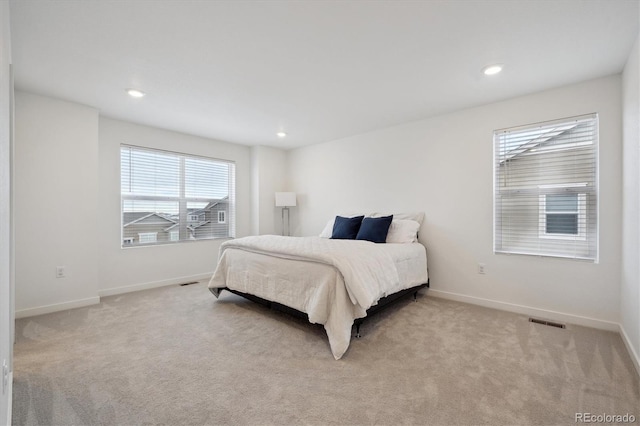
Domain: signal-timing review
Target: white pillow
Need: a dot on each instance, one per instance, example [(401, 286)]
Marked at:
[(403, 231), (417, 217), (328, 229), (327, 232)]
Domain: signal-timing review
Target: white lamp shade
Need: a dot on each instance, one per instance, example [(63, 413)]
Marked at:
[(285, 199)]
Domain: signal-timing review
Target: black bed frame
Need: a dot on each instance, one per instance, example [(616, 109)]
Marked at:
[(382, 303)]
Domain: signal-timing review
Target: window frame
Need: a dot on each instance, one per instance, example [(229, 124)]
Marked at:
[(513, 187), (182, 200)]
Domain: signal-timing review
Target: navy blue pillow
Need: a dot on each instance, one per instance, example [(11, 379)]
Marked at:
[(375, 229), (346, 228)]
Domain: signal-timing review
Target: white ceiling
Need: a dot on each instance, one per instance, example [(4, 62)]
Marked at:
[(320, 70)]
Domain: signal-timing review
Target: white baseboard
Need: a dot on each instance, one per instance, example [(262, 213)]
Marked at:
[(632, 352), (41, 310), (527, 310), (153, 284)]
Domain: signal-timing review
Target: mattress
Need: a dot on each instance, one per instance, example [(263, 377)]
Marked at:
[(306, 276)]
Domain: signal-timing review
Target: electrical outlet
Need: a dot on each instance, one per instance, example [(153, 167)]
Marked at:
[(60, 272), (482, 268)]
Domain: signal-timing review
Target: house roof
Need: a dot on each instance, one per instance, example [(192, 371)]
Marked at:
[(191, 226), (130, 218), (546, 137), (211, 204), (527, 140)]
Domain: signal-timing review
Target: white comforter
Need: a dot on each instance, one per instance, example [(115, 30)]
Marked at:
[(335, 282)]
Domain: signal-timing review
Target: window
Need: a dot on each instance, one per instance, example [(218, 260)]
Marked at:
[(561, 214), (148, 237), (222, 216), (545, 189), (167, 196), (564, 215)]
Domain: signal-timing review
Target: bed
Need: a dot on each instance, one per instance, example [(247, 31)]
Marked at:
[(333, 282)]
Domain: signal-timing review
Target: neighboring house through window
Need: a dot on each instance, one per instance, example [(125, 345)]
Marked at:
[(168, 197), (222, 216), (546, 189)]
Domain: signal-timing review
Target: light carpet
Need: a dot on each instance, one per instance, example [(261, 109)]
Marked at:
[(179, 356)]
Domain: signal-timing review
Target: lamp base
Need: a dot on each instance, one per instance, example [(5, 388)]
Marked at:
[(286, 231)]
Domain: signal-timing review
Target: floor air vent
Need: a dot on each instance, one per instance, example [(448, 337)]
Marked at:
[(549, 323), (189, 283)]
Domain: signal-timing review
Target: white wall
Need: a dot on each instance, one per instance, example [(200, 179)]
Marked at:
[(144, 267), (268, 176), (67, 209), (443, 167), (6, 313), (630, 283), (56, 203)]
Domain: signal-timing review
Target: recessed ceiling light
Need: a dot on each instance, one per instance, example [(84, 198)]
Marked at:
[(134, 93), (492, 69), (281, 134)]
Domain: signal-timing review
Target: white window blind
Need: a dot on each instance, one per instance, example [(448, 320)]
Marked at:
[(175, 197), (546, 189)]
